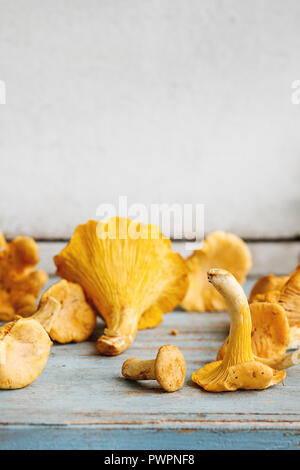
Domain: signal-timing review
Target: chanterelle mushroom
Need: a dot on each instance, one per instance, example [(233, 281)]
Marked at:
[(20, 284), (25, 347), (220, 250), (169, 368), (130, 273), (238, 369), (76, 320)]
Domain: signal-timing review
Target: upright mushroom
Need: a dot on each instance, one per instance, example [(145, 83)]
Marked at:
[(220, 250), (25, 347), (238, 369), (129, 272), (20, 284)]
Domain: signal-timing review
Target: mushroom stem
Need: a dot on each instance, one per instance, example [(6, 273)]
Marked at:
[(120, 333), (46, 315), (284, 362), (239, 346), (136, 369)]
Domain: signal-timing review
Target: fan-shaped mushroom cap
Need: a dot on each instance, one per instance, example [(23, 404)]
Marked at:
[(266, 285), (76, 319), (19, 284), (220, 250), (238, 369), (270, 331), (290, 298), (25, 347), (170, 368), (130, 273)]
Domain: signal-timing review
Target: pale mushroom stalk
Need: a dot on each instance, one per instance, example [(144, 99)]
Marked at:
[(168, 368), (239, 369)]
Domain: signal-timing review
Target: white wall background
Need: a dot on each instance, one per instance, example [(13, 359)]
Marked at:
[(159, 100)]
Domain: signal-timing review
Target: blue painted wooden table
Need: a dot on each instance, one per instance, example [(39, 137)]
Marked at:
[(81, 400)]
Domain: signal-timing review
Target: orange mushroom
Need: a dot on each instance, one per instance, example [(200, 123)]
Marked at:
[(220, 250), (76, 319), (239, 368)]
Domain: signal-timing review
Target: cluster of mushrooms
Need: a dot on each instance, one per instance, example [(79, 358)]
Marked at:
[(127, 273)]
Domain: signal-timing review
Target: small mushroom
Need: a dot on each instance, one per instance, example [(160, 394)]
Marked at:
[(25, 347), (239, 368), (169, 368), (76, 320)]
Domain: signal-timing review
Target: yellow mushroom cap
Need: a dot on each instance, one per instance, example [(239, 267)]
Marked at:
[(76, 319), (130, 273), (220, 250), (170, 368)]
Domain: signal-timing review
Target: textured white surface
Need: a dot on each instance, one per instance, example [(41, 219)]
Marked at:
[(159, 100)]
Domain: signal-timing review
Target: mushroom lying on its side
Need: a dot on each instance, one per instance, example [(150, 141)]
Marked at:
[(25, 347), (239, 369)]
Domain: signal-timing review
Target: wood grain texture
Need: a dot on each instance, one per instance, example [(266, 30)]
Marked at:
[(81, 401)]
